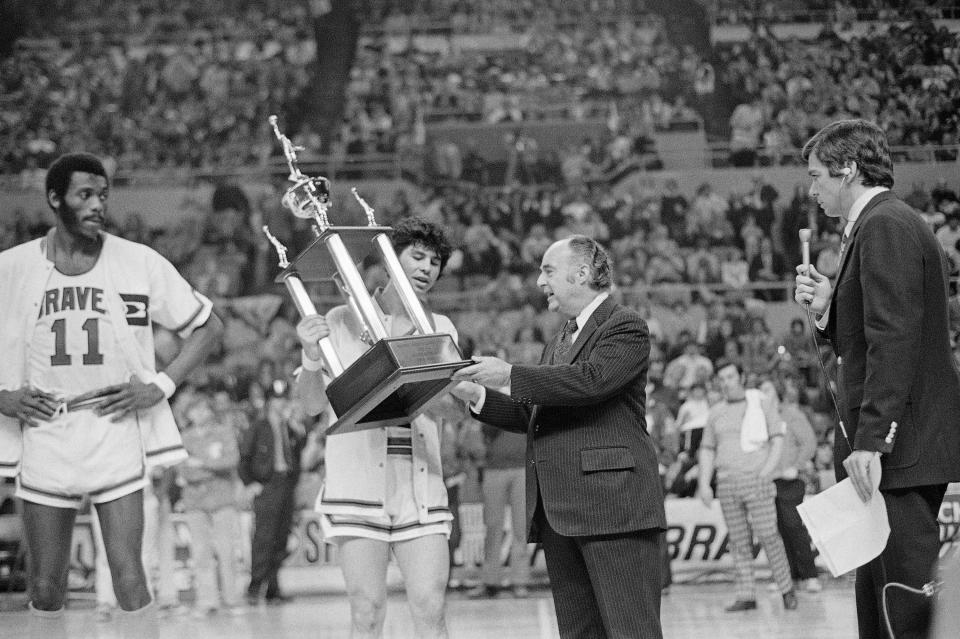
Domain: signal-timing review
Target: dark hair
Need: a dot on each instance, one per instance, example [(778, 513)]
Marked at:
[(845, 141), (723, 363), (417, 231), (63, 168), (595, 257), (230, 196)]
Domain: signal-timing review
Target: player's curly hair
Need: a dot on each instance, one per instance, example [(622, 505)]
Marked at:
[(63, 168), (415, 231)]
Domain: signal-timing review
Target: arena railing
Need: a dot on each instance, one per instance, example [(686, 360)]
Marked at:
[(476, 299), (718, 154), (791, 13)]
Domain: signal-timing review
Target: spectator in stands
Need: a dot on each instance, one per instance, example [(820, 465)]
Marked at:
[(688, 369), (943, 196), (221, 266), (758, 349), (948, 235), (734, 270), (535, 244), (743, 439), (768, 266), (702, 264), (798, 347), (209, 478), (673, 210), (746, 123), (715, 330), (708, 216)]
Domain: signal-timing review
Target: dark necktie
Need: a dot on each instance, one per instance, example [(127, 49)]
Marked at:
[(566, 340), (843, 247)]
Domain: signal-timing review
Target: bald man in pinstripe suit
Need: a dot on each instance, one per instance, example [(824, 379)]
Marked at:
[(593, 492)]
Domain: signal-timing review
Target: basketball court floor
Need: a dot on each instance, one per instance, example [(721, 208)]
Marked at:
[(689, 611)]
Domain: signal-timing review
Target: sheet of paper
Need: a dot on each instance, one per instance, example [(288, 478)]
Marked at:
[(847, 532)]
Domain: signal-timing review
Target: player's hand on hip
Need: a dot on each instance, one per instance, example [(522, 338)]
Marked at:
[(310, 330), (28, 404), (813, 289), (129, 398)]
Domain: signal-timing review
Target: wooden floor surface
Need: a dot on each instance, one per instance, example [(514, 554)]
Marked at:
[(692, 611)]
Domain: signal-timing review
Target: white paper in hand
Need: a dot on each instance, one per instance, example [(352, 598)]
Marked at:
[(847, 532)]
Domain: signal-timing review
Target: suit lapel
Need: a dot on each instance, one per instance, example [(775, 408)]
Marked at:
[(848, 249), (598, 317)]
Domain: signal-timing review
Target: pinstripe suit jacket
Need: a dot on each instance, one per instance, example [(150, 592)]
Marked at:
[(590, 461)]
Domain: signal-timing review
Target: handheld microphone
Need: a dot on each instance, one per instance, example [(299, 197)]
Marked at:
[(805, 249)]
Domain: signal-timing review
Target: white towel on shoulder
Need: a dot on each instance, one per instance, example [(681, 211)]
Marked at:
[(753, 431)]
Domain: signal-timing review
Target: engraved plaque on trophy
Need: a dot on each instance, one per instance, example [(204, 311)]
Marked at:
[(396, 376)]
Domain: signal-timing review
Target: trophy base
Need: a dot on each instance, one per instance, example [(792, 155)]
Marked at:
[(389, 383)]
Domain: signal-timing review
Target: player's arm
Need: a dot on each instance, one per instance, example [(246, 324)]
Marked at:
[(311, 387), (139, 394)]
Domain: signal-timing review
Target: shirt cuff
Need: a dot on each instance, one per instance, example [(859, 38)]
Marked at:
[(310, 364), (477, 406), (162, 381), (821, 321)]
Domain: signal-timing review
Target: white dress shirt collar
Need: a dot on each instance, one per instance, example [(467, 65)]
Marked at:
[(586, 313), (859, 204)]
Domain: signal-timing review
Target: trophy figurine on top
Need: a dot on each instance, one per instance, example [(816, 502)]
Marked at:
[(396, 376)]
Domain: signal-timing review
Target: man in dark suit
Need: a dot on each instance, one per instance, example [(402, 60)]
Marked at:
[(270, 468), (886, 318), (593, 493)]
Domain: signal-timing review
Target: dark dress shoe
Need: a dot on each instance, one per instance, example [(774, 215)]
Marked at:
[(278, 599), (742, 604), (483, 591), (790, 600)]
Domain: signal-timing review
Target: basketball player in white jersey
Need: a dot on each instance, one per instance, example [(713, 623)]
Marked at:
[(82, 407), (383, 491)]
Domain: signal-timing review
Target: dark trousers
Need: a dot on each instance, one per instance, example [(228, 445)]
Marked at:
[(273, 516), (796, 540), (605, 586), (909, 559)]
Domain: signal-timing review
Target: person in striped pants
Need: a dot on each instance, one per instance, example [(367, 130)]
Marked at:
[(743, 439)]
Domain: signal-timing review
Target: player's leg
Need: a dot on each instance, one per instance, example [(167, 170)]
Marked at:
[(425, 566), (121, 521), (49, 531), (364, 565)]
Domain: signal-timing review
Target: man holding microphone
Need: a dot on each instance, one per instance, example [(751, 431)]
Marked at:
[(886, 318)]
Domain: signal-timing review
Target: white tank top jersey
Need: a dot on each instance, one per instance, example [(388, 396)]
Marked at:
[(74, 348)]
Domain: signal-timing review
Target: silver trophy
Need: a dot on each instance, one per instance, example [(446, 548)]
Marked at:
[(396, 376)]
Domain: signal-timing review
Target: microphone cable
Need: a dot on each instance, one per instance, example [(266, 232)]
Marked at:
[(823, 371), (929, 590)]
